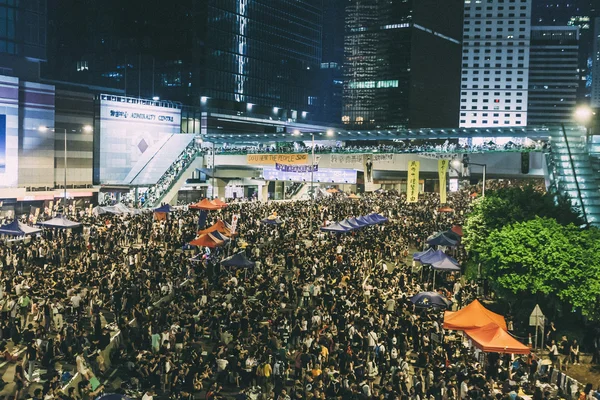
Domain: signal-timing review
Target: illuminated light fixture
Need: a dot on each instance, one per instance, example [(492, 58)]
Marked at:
[(203, 99), (88, 129), (296, 132), (583, 114), (330, 133), (304, 113), (43, 129), (249, 106), (275, 110), (156, 98)]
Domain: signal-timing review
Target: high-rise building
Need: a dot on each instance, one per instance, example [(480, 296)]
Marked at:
[(553, 74), (402, 63), (22, 38), (256, 52), (578, 13), (495, 66), (595, 86)]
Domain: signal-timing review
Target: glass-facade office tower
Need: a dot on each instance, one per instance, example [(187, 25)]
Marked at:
[(553, 74), (495, 65), (402, 63), (261, 52), (595, 86)]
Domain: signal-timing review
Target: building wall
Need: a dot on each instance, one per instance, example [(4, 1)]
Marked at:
[(596, 66), (36, 148), (553, 75), (74, 111), (9, 106), (496, 36)]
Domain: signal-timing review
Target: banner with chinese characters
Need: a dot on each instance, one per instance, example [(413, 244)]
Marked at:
[(442, 172), (296, 168), (234, 221), (412, 187), (272, 159)]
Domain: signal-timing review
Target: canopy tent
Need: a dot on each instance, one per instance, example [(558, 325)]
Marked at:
[(445, 265), (357, 222), (207, 240), (219, 203), (440, 239), (336, 227), (219, 226), (452, 235), (164, 209), (371, 220), (364, 221), (435, 257), (458, 230), (352, 223), (354, 196), (238, 260), (332, 190), (378, 217), (430, 299), (59, 222), (17, 228), (220, 236), (205, 204), (493, 339), (417, 256), (473, 316), (346, 225)]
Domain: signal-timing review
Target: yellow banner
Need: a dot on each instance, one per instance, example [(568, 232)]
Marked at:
[(442, 171), (272, 159), (412, 188)]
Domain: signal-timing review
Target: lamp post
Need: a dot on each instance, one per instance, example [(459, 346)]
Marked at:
[(456, 164), (87, 129)]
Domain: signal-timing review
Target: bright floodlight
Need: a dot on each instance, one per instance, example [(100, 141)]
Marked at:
[(156, 98), (583, 114), (43, 128), (456, 163), (203, 99), (330, 133), (88, 129), (296, 132)]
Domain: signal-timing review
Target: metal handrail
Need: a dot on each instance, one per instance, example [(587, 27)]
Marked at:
[(575, 175)]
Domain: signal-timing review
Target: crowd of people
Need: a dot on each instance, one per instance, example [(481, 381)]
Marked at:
[(404, 146), (319, 316)]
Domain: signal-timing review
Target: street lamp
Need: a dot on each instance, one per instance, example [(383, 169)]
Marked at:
[(86, 129), (584, 115), (456, 164)]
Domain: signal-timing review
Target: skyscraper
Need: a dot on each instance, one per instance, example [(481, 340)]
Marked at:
[(22, 37), (495, 63), (595, 86), (553, 74), (260, 52), (402, 63)]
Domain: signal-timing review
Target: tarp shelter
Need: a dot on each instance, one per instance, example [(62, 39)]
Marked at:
[(336, 227), (473, 316), (207, 240), (272, 220), (357, 222), (238, 260), (491, 338), (17, 228), (117, 209), (378, 217), (205, 204), (220, 236), (352, 223), (440, 239), (364, 221), (354, 197), (59, 222), (219, 203), (372, 220), (219, 226), (346, 225)]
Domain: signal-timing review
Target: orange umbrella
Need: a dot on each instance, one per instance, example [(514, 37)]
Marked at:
[(446, 209), (354, 196), (207, 240), (457, 229), (205, 204)]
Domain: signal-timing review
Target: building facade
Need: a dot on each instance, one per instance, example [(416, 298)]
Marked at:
[(402, 64), (553, 74), (595, 86), (256, 52), (495, 63)]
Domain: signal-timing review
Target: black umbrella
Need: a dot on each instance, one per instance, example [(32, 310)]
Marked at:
[(430, 299)]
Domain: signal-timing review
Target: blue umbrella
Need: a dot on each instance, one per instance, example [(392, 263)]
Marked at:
[(430, 299)]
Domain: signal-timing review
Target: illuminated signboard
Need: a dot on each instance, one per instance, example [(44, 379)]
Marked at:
[(131, 133), (322, 175)]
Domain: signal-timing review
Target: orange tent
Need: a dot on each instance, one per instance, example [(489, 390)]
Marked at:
[(207, 240), (219, 202), (457, 229), (493, 339), (219, 226), (332, 190), (473, 316), (354, 196), (205, 204)]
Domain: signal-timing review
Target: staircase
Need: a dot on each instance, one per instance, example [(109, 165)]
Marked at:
[(573, 171)]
